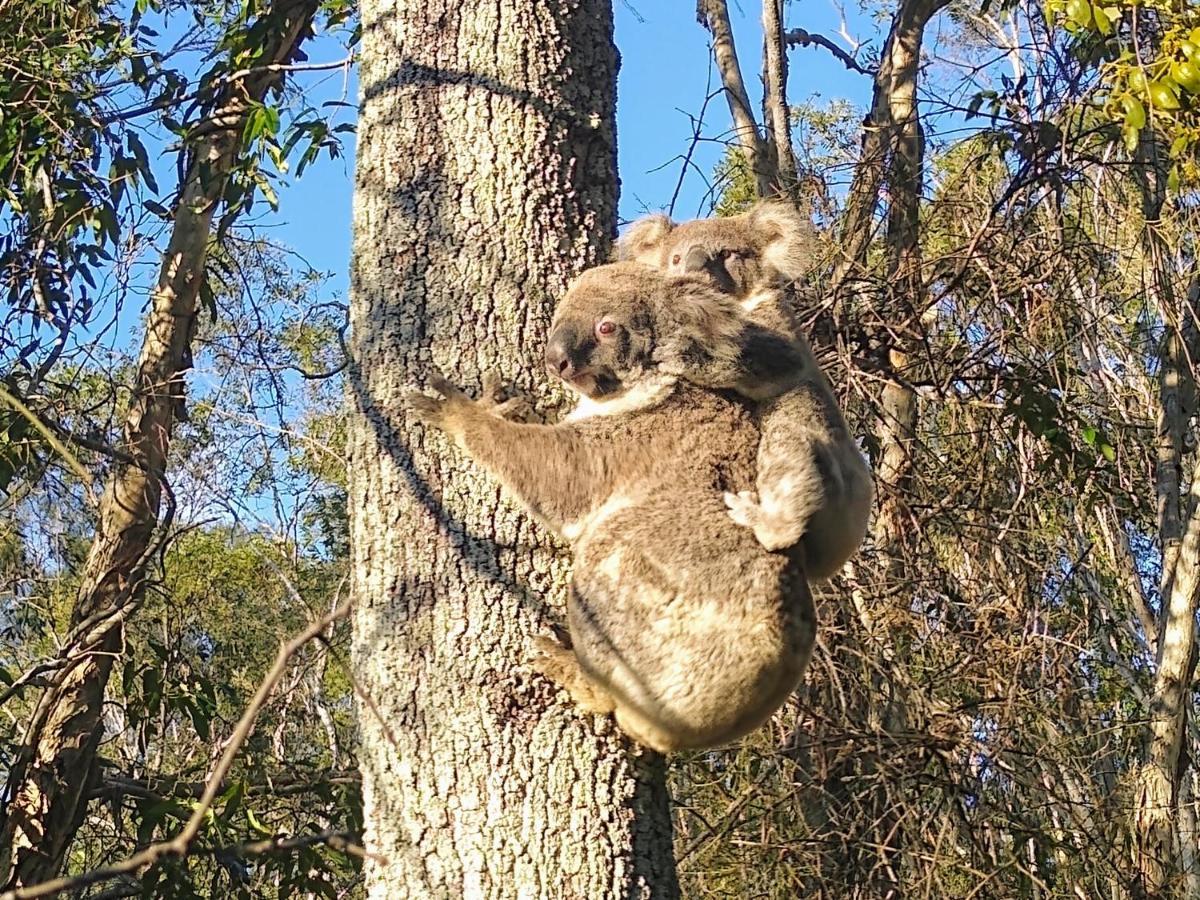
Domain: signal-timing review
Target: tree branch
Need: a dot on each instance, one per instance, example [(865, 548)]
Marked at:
[(798, 37), (775, 106), (714, 15)]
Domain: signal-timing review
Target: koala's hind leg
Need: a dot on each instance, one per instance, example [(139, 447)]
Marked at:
[(644, 731), (562, 667)]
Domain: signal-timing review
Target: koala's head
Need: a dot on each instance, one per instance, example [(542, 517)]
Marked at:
[(612, 327), (770, 245)]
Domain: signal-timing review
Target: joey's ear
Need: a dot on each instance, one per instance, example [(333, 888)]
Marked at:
[(787, 238), (642, 242), (699, 333)]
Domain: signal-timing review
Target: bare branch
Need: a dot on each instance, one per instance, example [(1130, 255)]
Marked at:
[(799, 37)]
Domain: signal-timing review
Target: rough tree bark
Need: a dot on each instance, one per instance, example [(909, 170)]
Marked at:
[(48, 784), (485, 180)]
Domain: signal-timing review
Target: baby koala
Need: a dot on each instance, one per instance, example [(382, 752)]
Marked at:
[(681, 622), (813, 487)]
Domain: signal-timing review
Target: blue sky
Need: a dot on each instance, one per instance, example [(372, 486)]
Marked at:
[(665, 75)]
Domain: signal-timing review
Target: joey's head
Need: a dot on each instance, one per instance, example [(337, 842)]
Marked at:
[(770, 245), (619, 323)]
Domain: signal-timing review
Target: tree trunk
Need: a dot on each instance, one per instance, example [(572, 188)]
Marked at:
[(1156, 814), (893, 93), (485, 180), (1158, 822), (48, 783), (776, 115), (714, 15), (864, 793)]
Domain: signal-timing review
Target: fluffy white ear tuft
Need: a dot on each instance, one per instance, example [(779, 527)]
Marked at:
[(643, 240), (789, 241)]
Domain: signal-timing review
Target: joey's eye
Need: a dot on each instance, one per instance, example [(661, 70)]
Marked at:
[(605, 328)]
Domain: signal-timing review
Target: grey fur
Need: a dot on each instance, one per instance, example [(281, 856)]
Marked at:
[(681, 623), (814, 487), (770, 245)]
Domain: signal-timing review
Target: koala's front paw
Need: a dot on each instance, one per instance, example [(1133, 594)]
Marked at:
[(505, 402), (436, 411), (744, 508), (773, 533)]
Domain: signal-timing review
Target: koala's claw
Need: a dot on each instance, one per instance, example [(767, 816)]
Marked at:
[(493, 390), (560, 665), (434, 411), (424, 408), (743, 508), (445, 387), (773, 532), (516, 408)]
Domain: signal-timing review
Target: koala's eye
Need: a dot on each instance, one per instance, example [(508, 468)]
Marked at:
[(605, 328), (675, 259)]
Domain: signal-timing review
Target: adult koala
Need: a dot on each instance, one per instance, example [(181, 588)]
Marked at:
[(681, 622)]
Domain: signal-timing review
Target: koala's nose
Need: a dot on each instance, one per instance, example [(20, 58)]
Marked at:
[(696, 260), (558, 359)]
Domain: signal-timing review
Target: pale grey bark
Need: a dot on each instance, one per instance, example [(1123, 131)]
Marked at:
[(47, 786), (1157, 820), (1159, 817), (486, 179), (775, 106), (714, 15)]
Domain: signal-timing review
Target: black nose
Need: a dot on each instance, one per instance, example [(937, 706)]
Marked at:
[(558, 360), (696, 260)]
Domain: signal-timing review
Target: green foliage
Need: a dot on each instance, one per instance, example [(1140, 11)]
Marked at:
[(1149, 70)]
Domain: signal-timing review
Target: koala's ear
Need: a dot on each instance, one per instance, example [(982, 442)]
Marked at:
[(700, 313), (643, 240), (787, 238)]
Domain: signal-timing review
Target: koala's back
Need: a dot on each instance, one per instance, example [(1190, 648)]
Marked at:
[(677, 610)]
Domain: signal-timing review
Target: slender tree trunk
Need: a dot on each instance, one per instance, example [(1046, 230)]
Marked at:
[(865, 796), (714, 15), (1156, 814), (775, 106), (48, 784), (1158, 817), (486, 180)]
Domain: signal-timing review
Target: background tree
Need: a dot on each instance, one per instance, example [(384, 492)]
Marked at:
[(65, 127)]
